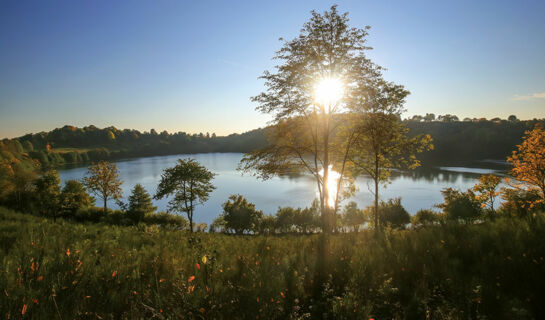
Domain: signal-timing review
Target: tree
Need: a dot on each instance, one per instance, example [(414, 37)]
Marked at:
[(48, 194), (429, 117), (240, 215), (327, 57), (512, 118), (139, 203), (102, 179), (528, 161), (460, 206), (382, 143), (189, 184), (285, 219), (393, 214), (486, 189), (74, 197), (353, 217), (425, 217)]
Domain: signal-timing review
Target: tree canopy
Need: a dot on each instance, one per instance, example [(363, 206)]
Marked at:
[(190, 185)]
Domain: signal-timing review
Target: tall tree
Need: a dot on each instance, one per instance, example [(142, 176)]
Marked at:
[(139, 203), (528, 160), (189, 184), (382, 143), (309, 95), (102, 179)]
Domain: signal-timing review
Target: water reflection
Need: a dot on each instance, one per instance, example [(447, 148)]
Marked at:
[(418, 188)]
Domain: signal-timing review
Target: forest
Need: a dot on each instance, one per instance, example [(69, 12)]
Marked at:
[(72, 145)]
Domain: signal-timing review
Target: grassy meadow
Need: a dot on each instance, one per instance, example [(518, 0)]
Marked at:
[(493, 270)]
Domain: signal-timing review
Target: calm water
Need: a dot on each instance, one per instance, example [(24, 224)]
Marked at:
[(418, 189)]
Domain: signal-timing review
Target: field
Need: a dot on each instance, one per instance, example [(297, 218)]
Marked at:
[(69, 271)]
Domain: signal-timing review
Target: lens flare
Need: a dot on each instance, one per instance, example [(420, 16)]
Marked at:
[(328, 92), (331, 185)]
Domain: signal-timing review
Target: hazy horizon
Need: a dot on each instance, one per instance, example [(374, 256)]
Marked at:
[(193, 67)]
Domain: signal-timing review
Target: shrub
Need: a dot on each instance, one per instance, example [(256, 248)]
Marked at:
[(393, 214), (425, 217), (460, 206)]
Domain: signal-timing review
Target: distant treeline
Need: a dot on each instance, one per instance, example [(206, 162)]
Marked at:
[(472, 140), (456, 142), (69, 144)]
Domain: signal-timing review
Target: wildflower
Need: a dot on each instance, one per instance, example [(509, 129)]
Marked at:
[(23, 311), (35, 301), (87, 297), (443, 241), (162, 280), (204, 259), (114, 274), (191, 279), (202, 310), (40, 278), (283, 295), (257, 299), (198, 266), (190, 289), (68, 252), (207, 289), (268, 248), (135, 293)]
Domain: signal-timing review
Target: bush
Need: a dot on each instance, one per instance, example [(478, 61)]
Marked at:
[(460, 206), (425, 217), (166, 220), (393, 214)]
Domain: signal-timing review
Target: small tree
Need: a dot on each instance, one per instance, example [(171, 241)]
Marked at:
[(189, 183), (393, 214), (102, 179), (285, 219), (425, 217), (460, 206), (139, 203), (48, 194), (74, 197), (528, 161), (353, 217), (486, 189), (240, 215)]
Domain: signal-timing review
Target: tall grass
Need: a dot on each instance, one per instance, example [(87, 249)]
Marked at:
[(68, 270)]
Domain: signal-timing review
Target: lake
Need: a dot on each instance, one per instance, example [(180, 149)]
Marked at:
[(418, 188)]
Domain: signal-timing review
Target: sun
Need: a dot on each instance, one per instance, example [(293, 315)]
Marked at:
[(328, 91)]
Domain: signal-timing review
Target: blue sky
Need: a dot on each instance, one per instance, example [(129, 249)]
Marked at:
[(193, 66)]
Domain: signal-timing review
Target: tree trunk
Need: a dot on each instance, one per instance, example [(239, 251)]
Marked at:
[(376, 195), (325, 209), (105, 204)]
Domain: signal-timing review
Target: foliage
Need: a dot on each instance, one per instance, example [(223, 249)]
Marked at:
[(240, 215), (102, 179), (521, 203), (529, 161), (74, 197), (425, 218), (393, 214), (139, 203), (47, 194), (189, 184), (353, 217), (486, 190), (493, 270), (460, 206), (304, 135)]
